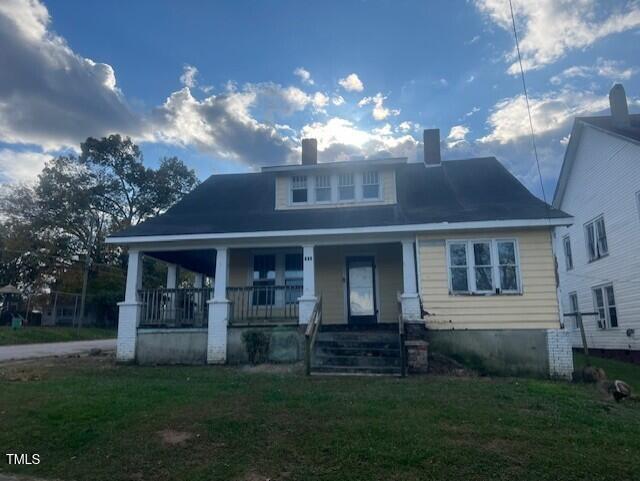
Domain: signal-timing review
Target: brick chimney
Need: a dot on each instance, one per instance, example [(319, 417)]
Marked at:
[(431, 141), (309, 151), (619, 108)]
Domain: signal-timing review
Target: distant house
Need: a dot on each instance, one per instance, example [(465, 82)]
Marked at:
[(459, 247), (599, 255)]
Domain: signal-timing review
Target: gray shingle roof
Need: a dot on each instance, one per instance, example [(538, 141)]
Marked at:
[(479, 189)]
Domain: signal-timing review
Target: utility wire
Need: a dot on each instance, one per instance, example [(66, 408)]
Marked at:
[(526, 97)]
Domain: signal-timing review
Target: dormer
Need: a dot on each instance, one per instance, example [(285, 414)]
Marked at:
[(357, 183)]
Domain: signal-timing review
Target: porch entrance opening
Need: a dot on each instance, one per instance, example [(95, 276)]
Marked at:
[(361, 290)]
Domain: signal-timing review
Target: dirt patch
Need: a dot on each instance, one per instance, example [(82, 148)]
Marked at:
[(440, 364), (174, 438), (272, 368)]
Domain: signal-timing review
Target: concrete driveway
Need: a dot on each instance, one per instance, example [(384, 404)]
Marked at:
[(33, 351)]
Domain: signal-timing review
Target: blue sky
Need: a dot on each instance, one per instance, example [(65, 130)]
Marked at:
[(231, 86)]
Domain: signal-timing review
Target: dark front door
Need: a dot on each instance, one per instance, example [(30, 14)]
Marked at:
[(361, 290)]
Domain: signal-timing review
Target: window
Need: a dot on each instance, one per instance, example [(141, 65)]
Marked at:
[(573, 305), (568, 257), (264, 276), (323, 188), (293, 277), (483, 267), (605, 305), (596, 239), (299, 189), (346, 187), (370, 185)]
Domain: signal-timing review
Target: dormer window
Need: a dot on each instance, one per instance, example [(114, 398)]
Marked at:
[(299, 189), (346, 187), (323, 188), (370, 185)]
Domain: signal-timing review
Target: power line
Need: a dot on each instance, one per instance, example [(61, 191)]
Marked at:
[(526, 97)]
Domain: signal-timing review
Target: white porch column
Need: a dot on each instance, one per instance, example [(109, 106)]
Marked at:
[(410, 299), (308, 300), (129, 310), (172, 276), (219, 311)]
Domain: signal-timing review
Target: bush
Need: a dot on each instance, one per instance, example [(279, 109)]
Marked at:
[(256, 344)]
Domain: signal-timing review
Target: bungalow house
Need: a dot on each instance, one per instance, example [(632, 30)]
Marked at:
[(458, 251), (599, 261)]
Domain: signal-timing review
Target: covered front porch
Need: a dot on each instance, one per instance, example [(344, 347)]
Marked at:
[(266, 287)]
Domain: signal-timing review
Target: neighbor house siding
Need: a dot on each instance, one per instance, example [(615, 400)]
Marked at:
[(604, 180), (535, 308), (330, 266), (387, 185)]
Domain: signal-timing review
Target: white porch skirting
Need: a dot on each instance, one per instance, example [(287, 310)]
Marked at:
[(128, 316), (217, 331)]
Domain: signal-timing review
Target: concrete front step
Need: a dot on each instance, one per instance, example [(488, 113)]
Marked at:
[(357, 351), (358, 361), (356, 371), (357, 345)]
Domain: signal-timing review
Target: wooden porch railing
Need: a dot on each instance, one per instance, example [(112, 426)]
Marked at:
[(401, 338), (185, 307), (310, 334), (263, 304)]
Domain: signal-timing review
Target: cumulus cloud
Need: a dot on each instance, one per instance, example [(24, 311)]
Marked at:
[(351, 83), (407, 126), (16, 166), (337, 100), (379, 111), (304, 75), (609, 69), (188, 77), (49, 95), (551, 28), (457, 136)]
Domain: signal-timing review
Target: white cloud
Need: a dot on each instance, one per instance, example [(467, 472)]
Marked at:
[(550, 28), (188, 77), (351, 83), (407, 126), (609, 69), (473, 40), (17, 166), (337, 100), (471, 78), (320, 101), (457, 136), (474, 110), (304, 75), (379, 112), (443, 81)]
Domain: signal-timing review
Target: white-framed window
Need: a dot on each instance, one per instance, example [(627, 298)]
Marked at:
[(346, 187), (370, 185), (488, 266), (299, 193), (604, 302), (293, 276), (323, 188), (568, 256), (574, 307), (596, 238)]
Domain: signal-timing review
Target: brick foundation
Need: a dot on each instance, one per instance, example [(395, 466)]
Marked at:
[(417, 356)]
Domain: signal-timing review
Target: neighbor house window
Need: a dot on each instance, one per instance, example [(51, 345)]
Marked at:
[(299, 189), (573, 305), (346, 187), (605, 304), (293, 277), (370, 185), (596, 239), (264, 277), (568, 256), (487, 266), (323, 188)]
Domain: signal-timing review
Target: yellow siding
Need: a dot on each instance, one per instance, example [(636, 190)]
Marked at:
[(536, 307), (330, 264)]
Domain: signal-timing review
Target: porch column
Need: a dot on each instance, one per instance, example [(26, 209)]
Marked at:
[(409, 298), (172, 276), (219, 311), (129, 310), (308, 300)]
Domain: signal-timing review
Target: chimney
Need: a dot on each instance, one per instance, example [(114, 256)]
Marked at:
[(619, 109), (309, 151), (431, 141)]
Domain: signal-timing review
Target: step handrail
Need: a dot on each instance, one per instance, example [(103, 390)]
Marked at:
[(401, 338), (311, 333)]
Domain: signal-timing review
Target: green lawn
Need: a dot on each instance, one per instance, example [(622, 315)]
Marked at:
[(92, 420), (35, 334)]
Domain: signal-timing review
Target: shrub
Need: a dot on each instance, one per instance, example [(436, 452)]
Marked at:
[(256, 343)]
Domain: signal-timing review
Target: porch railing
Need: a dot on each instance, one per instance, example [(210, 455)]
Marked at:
[(181, 308), (310, 334), (263, 304)]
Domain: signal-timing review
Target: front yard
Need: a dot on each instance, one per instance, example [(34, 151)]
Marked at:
[(90, 419), (37, 334)]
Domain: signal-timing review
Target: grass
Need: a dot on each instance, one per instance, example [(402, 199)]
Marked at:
[(90, 419), (36, 334)]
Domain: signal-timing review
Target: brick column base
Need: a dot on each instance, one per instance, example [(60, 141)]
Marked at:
[(417, 356), (560, 354)]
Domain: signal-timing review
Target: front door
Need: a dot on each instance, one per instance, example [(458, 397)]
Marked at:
[(361, 290)]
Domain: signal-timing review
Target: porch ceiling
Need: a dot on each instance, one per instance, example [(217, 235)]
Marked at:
[(197, 260)]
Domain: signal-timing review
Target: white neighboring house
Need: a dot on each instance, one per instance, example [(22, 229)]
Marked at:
[(599, 255)]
